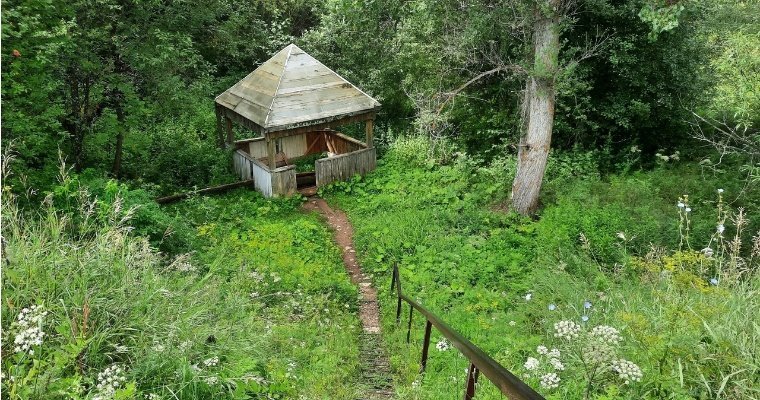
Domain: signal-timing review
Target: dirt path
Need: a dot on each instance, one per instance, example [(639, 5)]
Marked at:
[(375, 366)]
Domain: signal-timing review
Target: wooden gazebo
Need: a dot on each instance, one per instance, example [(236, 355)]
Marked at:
[(293, 102)]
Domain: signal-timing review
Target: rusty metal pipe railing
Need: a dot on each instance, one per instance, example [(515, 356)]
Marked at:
[(480, 362)]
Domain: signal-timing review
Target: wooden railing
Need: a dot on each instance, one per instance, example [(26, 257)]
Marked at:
[(480, 362)]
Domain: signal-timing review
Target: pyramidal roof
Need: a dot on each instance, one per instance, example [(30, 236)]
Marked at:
[(293, 89)]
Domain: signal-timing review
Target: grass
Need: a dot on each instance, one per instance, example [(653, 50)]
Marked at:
[(261, 308), (474, 265)]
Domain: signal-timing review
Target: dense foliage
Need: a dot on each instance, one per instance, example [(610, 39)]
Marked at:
[(637, 279), (676, 286)]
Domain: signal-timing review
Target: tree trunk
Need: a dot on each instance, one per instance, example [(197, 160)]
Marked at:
[(539, 109)]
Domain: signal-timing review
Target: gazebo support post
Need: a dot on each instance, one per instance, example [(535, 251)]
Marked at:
[(219, 128), (369, 131), (270, 153), (230, 134)]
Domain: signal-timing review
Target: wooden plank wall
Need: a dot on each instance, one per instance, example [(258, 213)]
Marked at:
[(280, 182), (284, 181), (345, 166)]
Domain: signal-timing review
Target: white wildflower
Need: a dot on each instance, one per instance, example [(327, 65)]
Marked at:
[(109, 380), (627, 371), (512, 323), (567, 330), (708, 252), (211, 362), (606, 334), (720, 229), (720, 190), (211, 380), (442, 345), (621, 235), (557, 364), (550, 381), (528, 296), (553, 353), (542, 350), (28, 327), (531, 363), (681, 204)]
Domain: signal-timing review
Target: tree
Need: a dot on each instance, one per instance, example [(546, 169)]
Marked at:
[(533, 149)]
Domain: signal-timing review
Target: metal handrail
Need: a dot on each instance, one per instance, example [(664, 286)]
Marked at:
[(507, 382)]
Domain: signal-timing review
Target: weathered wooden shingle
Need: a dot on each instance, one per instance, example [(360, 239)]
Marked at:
[(293, 89)]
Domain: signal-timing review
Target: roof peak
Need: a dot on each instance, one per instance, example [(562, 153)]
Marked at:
[(293, 88)]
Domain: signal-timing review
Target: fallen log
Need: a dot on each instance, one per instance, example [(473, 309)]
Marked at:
[(213, 189)]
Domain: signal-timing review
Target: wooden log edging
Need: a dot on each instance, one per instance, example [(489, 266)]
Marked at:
[(209, 190)]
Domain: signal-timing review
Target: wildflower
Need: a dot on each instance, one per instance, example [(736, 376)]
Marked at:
[(29, 326), (416, 383), (621, 235), (158, 348), (211, 380), (606, 334), (542, 350), (109, 380), (120, 349), (688, 209), (587, 304), (442, 345), (584, 318), (557, 364), (552, 307), (720, 190), (627, 371), (211, 362), (531, 363), (550, 381), (152, 396), (553, 353), (512, 323), (708, 252), (714, 281), (567, 330), (681, 204), (528, 296), (720, 229)]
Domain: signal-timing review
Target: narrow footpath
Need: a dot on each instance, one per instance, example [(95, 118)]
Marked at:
[(375, 368)]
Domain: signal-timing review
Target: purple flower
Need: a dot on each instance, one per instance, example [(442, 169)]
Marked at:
[(714, 281), (584, 318), (586, 304)]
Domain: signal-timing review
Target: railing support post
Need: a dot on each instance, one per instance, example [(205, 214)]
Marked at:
[(398, 311), (425, 346), (409, 326), (472, 379)]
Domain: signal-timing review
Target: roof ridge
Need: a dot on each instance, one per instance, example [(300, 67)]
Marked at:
[(279, 82)]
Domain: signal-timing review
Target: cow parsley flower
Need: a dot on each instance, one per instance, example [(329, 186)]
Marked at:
[(211, 362), (606, 334), (550, 381), (542, 350), (28, 326), (553, 353), (627, 371), (109, 380), (720, 229), (720, 190), (567, 330), (557, 364), (531, 363)]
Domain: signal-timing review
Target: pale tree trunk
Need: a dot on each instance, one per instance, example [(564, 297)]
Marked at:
[(539, 111)]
